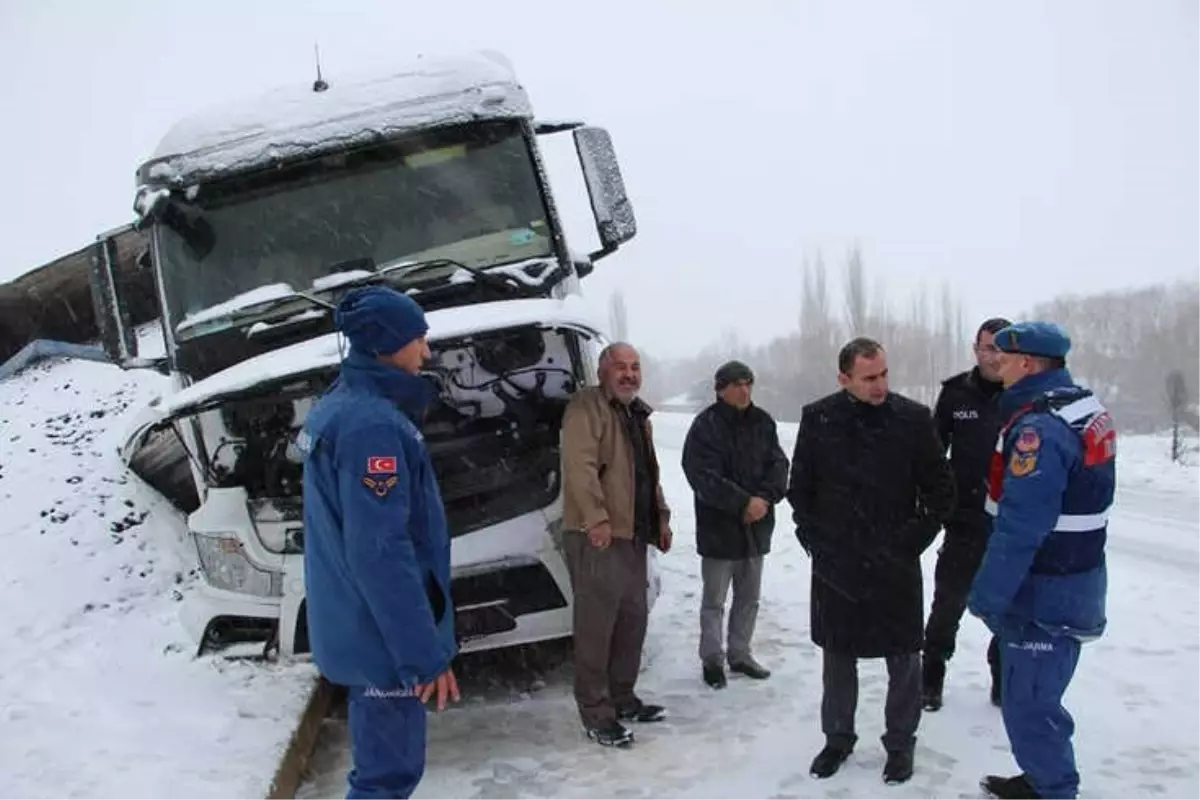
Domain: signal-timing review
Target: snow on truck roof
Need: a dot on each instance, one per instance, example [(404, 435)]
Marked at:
[(295, 121)]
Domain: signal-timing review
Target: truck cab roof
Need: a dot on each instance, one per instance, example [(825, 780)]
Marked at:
[(296, 122)]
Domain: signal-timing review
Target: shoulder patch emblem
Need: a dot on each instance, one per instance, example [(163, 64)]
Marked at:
[(1028, 440), (380, 486), (1022, 464)]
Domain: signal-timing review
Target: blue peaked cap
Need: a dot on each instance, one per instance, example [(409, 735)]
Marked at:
[(1046, 339), (379, 320)]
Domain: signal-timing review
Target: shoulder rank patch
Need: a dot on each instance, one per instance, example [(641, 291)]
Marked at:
[(380, 486), (1022, 464), (1028, 440)]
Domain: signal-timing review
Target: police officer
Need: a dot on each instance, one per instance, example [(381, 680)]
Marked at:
[(967, 420), (1042, 585), (377, 552)]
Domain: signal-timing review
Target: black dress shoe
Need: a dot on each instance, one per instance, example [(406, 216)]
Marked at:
[(714, 676), (899, 767), (750, 668), (829, 761)]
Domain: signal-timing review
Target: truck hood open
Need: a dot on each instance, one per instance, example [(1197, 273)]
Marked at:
[(326, 351)]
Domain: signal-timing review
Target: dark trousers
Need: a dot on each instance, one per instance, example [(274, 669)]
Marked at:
[(1038, 669), (387, 743), (958, 560), (839, 700), (609, 624)]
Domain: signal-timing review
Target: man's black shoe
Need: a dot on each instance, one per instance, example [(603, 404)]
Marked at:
[(613, 734), (750, 668), (829, 761), (899, 767), (643, 712), (714, 676), (1015, 788)]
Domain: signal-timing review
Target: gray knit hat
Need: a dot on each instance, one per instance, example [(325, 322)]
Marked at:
[(731, 372)]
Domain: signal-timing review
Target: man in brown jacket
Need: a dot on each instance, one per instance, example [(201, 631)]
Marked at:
[(613, 508)]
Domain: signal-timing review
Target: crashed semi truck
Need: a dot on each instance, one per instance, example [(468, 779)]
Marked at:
[(258, 217)]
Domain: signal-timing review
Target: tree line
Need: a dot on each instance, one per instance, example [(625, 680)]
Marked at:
[(1125, 344)]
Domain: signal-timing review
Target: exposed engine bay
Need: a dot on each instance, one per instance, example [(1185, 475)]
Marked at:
[(493, 433)]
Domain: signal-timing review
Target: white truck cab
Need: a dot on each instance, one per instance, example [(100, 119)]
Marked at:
[(260, 216)]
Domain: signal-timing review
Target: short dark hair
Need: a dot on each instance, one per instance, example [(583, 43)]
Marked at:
[(992, 326), (858, 346)]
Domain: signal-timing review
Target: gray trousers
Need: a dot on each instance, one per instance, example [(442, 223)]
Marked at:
[(902, 710), (745, 575)]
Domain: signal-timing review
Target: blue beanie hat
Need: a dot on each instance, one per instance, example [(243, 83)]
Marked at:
[(379, 320)]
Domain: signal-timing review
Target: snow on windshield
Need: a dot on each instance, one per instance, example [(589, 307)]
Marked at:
[(295, 121), (262, 294)]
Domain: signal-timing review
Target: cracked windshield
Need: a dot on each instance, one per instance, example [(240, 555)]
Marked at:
[(469, 194)]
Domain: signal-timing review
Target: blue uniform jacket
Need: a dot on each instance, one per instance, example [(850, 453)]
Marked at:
[(377, 550), (1045, 562)]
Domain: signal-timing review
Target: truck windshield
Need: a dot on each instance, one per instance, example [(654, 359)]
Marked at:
[(468, 193)]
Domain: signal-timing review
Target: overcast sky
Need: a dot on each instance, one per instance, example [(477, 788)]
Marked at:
[(1016, 149)]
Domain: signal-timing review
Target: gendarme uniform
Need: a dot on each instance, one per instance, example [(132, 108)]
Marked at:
[(1042, 584)]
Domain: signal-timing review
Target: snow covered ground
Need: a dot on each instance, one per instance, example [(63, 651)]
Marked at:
[(1135, 696), (100, 693)]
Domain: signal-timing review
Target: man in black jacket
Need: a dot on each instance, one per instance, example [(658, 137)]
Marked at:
[(968, 422), (738, 472), (870, 489)]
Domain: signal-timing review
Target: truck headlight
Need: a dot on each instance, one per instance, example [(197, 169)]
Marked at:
[(226, 567)]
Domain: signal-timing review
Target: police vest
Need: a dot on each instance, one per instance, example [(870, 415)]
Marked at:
[(1076, 543)]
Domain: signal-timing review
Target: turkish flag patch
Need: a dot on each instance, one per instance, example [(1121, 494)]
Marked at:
[(381, 465)]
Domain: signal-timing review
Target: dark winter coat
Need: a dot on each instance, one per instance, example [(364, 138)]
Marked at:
[(870, 489), (968, 421), (730, 456)]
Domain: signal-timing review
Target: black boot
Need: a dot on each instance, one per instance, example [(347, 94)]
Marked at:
[(933, 678), (899, 766), (714, 676), (614, 734), (829, 760), (1014, 788)]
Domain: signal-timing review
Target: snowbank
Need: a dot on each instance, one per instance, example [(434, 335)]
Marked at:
[(100, 694)]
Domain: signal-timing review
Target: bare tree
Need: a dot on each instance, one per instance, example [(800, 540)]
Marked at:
[(855, 291), (618, 316)]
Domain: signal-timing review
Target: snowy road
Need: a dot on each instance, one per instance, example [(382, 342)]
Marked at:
[(1134, 698)]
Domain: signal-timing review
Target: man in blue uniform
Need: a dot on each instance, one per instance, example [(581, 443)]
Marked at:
[(1042, 585), (377, 552)]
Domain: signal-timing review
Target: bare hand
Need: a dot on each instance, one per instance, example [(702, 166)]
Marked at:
[(664, 537), (446, 685), (600, 535), (756, 509)]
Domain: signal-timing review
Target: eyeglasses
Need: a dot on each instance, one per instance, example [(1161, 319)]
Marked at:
[(990, 349)]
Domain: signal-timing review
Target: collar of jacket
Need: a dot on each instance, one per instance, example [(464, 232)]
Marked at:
[(866, 408), (732, 413), (363, 372), (1031, 387), (637, 406), (982, 384)]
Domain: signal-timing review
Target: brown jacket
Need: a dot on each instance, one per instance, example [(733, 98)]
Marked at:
[(597, 466)]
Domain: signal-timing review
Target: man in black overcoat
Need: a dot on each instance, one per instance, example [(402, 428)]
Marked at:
[(870, 489)]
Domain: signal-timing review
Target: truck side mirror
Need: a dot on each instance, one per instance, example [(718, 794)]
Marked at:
[(610, 205), (112, 317)]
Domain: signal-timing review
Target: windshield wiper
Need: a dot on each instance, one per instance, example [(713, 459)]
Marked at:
[(506, 282)]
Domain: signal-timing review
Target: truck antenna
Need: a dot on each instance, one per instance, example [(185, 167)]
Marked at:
[(319, 85)]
